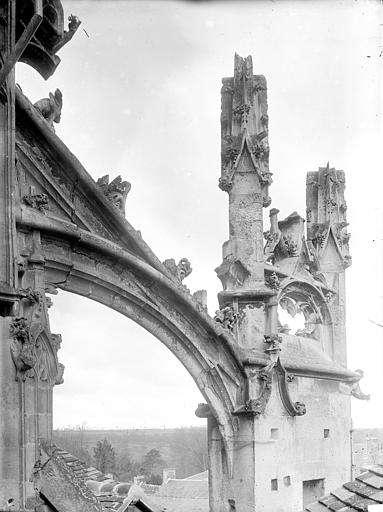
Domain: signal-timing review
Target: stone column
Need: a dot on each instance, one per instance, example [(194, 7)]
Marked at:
[(245, 297)]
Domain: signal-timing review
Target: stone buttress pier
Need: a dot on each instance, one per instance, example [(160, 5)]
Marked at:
[(245, 298), (282, 453)]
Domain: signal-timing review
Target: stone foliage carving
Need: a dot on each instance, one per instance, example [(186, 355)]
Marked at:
[(38, 201), (181, 270), (23, 349), (226, 317), (225, 183), (116, 191), (50, 108)]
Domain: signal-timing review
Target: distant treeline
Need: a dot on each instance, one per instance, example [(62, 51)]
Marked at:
[(132, 452)]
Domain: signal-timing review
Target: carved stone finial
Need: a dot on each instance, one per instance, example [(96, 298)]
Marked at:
[(226, 317), (116, 191), (180, 271), (326, 208), (50, 108)]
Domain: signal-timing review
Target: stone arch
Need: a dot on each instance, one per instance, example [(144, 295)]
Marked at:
[(85, 264)]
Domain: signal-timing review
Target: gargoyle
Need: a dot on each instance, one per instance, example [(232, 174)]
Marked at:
[(73, 25), (50, 108)]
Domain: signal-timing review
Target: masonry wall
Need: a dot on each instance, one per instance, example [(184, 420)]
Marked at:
[(301, 450)]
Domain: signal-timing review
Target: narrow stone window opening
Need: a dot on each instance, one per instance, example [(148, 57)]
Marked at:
[(287, 480), (326, 432), (6, 308), (274, 484), (274, 433)]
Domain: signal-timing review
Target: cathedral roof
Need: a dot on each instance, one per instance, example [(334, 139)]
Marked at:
[(359, 494)]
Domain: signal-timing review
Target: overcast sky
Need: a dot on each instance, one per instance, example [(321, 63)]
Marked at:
[(141, 88)]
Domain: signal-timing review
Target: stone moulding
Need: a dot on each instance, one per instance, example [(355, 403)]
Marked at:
[(293, 408)]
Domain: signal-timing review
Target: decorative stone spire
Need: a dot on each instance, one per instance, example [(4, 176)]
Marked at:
[(245, 175), (326, 212)]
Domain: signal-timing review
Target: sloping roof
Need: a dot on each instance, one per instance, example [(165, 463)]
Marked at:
[(168, 504), (199, 476), (188, 495), (365, 490), (108, 494), (185, 489)]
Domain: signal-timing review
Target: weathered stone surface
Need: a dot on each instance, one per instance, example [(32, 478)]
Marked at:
[(62, 230)]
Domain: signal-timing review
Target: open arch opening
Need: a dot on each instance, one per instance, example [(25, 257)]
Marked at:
[(116, 369), (123, 386)]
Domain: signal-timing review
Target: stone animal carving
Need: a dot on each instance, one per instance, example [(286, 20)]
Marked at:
[(116, 191), (50, 108)]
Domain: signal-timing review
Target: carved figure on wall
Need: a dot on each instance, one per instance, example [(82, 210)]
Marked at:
[(23, 347), (50, 108), (272, 281)]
